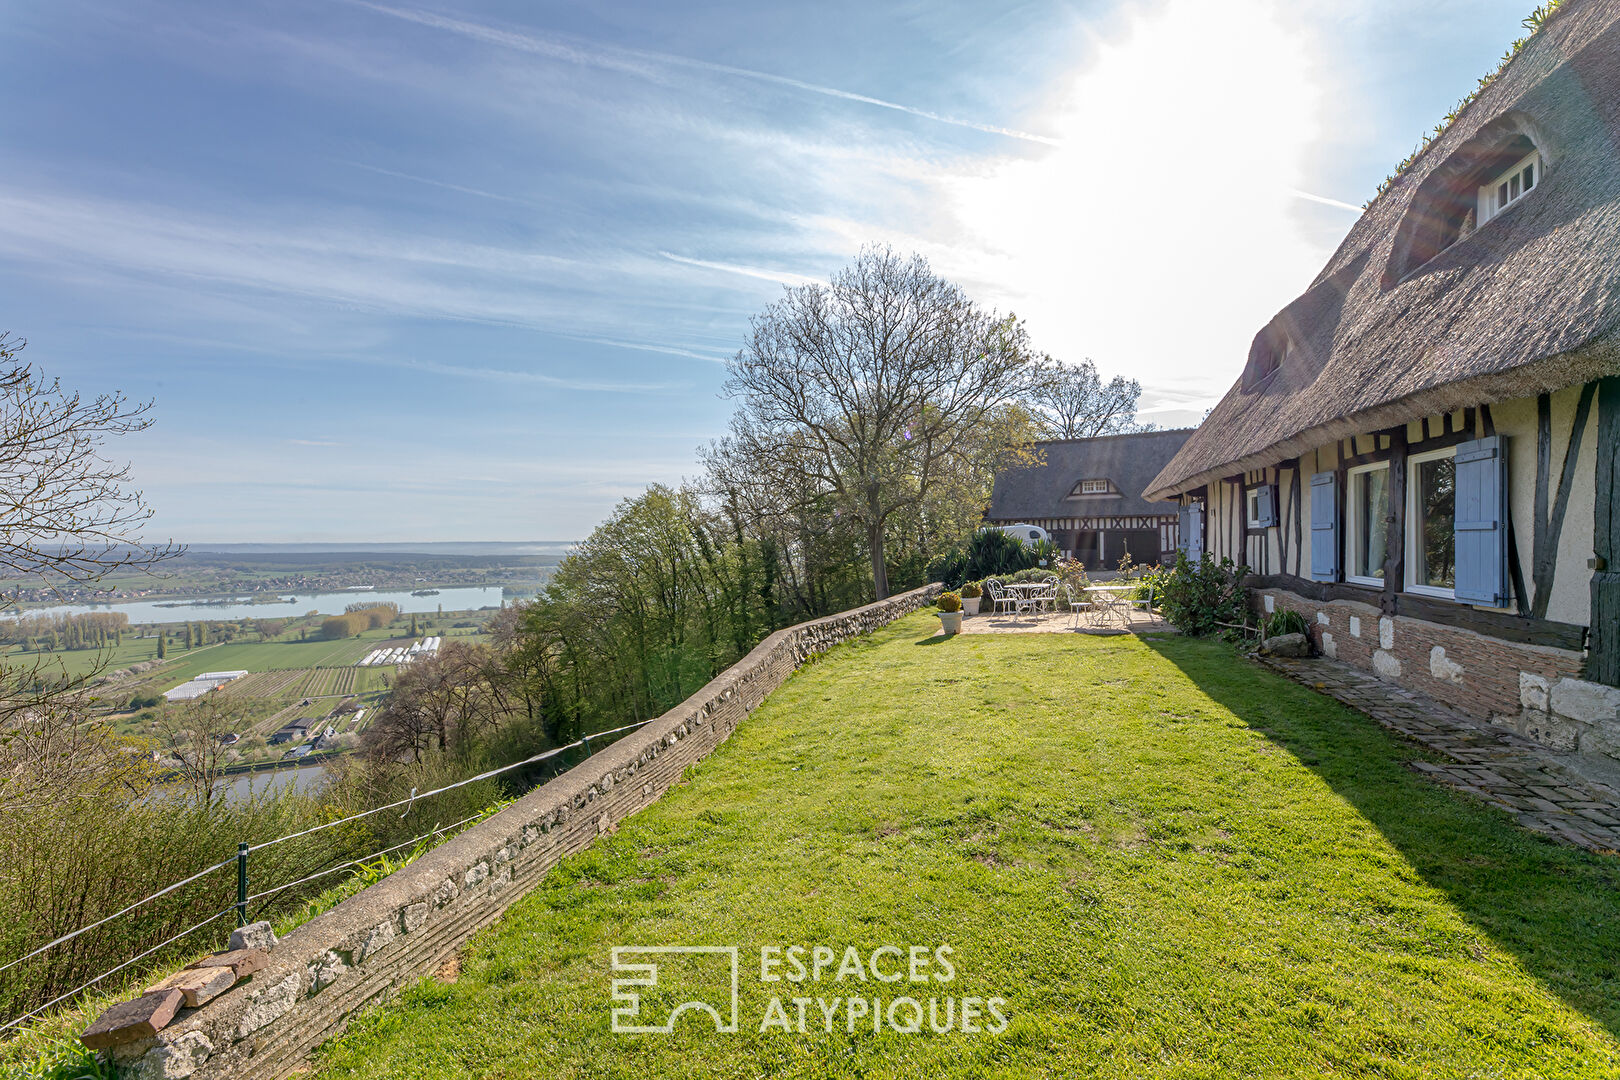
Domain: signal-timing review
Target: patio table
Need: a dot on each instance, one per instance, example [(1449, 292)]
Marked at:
[(1112, 602)]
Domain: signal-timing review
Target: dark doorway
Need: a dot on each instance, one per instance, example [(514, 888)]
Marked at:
[(1143, 544)]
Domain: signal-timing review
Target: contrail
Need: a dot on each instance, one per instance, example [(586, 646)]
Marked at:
[(1324, 200), (781, 277), (624, 60)]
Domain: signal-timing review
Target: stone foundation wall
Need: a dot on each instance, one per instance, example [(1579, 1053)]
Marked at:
[(1533, 690), (405, 926)]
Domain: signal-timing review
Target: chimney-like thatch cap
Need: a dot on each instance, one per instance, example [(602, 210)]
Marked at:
[(1528, 303)]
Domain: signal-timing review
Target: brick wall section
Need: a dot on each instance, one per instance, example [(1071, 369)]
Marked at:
[(1523, 688), (406, 925), (1487, 684)]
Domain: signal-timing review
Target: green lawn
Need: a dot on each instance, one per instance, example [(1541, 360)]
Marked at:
[(1168, 862)]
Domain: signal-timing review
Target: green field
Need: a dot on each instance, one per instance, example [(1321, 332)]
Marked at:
[(251, 655), (1166, 861)]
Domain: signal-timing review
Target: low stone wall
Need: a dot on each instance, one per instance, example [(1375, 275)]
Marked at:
[(405, 926), (1530, 689)]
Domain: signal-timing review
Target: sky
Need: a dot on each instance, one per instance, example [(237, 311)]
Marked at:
[(471, 271)]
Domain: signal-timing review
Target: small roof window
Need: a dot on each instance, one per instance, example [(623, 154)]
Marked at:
[(1503, 191), (1092, 487), (1485, 176)]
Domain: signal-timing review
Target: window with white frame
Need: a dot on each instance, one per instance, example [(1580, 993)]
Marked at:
[(1366, 507), (1509, 187), (1431, 518), (1091, 487)]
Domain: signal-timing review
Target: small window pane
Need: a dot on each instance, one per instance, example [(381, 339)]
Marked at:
[(1436, 518), (1530, 176), (1501, 196), (1370, 492), (1513, 187)]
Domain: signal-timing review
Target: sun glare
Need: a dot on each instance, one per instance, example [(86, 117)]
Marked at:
[(1162, 231)]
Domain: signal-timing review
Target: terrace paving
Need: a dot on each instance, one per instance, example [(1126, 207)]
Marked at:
[(1575, 799)]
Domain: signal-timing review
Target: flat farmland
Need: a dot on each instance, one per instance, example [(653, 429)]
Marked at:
[(309, 682)]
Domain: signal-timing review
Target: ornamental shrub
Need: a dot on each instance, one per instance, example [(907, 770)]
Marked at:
[(949, 601), (1196, 596)]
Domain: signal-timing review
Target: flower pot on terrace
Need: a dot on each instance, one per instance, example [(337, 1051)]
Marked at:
[(951, 621), (970, 605)]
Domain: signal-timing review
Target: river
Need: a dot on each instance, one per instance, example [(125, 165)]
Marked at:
[(330, 603), (304, 778)]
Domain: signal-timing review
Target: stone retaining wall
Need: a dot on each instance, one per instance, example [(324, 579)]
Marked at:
[(405, 926)]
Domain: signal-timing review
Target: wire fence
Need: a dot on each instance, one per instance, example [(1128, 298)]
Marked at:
[(242, 861)]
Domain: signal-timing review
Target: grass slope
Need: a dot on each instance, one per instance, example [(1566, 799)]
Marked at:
[(1169, 863)]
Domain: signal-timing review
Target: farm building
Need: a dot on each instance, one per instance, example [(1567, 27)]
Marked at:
[(1086, 493), (202, 684), (296, 731), (1422, 453)]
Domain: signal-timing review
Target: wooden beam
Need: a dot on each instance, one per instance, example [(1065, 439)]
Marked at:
[(1603, 660), (1538, 539), (1395, 523), (1298, 499), (1546, 564), (1521, 595)]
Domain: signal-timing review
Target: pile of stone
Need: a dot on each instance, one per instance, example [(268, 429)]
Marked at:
[(190, 987)]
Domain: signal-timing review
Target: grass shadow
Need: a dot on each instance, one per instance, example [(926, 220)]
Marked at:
[(1555, 908), (935, 639)]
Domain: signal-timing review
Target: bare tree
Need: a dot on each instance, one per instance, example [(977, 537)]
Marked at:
[(436, 703), (1070, 401), (67, 514), (868, 386), (192, 742)]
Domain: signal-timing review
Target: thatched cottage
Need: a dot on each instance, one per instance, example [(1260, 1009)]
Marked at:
[(1087, 494), (1422, 454)]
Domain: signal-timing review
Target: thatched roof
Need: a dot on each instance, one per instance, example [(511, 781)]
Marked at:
[(1530, 302), (1128, 461)]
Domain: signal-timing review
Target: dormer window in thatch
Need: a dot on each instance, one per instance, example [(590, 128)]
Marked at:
[(1508, 188), (1485, 176), (1092, 487)]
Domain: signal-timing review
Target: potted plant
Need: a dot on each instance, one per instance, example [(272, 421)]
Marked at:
[(971, 592), (950, 613)]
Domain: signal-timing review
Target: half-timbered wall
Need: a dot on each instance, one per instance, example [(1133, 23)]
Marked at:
[(1505, 661), (1543, 478)]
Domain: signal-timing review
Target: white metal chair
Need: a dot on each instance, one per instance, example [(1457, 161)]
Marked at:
[(1079, 605), (1003, 599)]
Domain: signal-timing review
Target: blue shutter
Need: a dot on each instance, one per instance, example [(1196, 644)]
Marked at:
[(1325, 527), (1190, 530), (1265, 516), (1481, 522)]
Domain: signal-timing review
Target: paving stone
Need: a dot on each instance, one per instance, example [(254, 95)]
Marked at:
[(1500, 767)]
